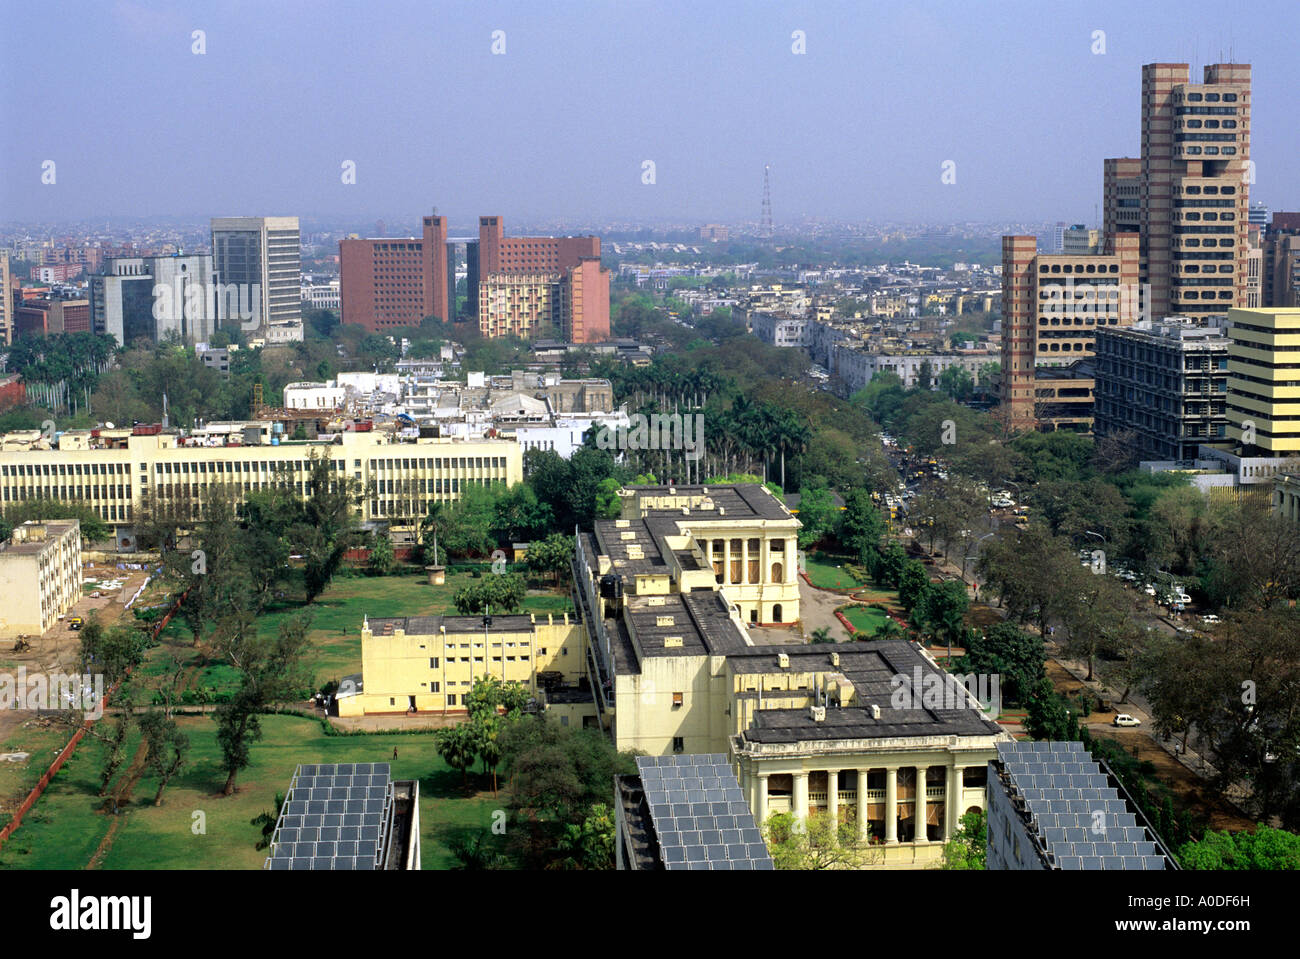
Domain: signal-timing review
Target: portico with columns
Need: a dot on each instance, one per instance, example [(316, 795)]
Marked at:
[(874, 787)]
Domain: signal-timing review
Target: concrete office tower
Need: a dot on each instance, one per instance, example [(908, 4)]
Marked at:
[(1164, 383), (264, 251), (1192, 184), (1052, 306), (148, 297), (6, 303)]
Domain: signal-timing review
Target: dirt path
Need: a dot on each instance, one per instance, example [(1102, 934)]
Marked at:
[(122, 796)]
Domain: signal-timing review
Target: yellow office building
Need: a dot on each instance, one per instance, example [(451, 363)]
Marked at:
[(111, 470), (428, 664), (1263, 405)]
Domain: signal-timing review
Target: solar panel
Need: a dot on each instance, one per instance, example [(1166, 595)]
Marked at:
[(700, 814), (332, 818), (1083, 821)]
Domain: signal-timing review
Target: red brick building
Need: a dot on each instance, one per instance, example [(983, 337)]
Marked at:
[(389, 282), (45, 316)]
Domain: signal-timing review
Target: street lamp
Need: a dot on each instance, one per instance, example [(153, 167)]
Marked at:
[(975, 552)]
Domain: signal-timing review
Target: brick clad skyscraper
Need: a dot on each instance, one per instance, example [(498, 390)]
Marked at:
[(513, 283), (1192, 188)]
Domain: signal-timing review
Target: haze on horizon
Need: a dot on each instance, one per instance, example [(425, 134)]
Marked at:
[(560, 125)]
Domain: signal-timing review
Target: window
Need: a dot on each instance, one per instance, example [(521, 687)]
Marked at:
[(679, 745), (433, 662), (451, 699)]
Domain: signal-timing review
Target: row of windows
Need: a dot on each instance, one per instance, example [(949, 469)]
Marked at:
[(1210, 98), (438, 463)]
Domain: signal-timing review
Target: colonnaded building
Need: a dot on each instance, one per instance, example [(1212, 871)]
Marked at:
[(663, 657), (113, 470)]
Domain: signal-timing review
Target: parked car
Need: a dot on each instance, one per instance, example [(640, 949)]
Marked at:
[(1124, 719)]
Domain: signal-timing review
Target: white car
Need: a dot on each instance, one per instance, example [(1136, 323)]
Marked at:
[(1124, 719), (1210, 619)]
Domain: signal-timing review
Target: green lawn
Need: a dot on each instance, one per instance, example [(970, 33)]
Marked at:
[(865, 619), (827, 572), (337, 616), (66, 827)]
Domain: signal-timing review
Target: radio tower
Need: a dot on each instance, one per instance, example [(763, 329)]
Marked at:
[(765, 222)]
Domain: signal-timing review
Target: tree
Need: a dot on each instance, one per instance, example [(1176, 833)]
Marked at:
[(328, 528), (467, 524), (817, 842), (503, 593), (942, 611), (968, 847), (270, 671), (458, 747), (822, 635), (817, 515), (1048, 715), (551, 556), (1265, 848), (912, 584), (382, 558), (590, 844), (862, 525), (165, 748), (1010, 653)]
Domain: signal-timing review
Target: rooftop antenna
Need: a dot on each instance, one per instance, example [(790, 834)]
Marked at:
[(164, 422)]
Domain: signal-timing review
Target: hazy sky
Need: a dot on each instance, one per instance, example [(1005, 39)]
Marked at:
[(560, 124)]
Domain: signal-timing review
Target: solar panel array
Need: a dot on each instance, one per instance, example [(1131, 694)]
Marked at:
[(700, 815), (333, 818), (1083, 822)]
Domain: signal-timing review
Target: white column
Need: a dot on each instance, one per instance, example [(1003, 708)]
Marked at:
[(952, 804), (726, 561), (833, 798), (801, 796), (918, 833), (862, 805), (760, 808), (891, 804), (744, 560)]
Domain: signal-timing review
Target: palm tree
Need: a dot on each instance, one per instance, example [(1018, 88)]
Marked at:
[(429, 525)]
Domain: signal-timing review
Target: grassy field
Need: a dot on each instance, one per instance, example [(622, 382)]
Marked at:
[(865, 619), (337, 616), (827, 572), (68, 825)]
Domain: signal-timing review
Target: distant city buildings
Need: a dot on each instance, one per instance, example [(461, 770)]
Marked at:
[(262, 257), (152, 297), (6, 303), (714, 233), (515, 286)]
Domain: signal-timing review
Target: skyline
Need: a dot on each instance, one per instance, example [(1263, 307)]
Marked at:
[(553, 128)]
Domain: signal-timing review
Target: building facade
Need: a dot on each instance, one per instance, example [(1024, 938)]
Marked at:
[(1052, 306), (40, 576), (1263, 402), (1192, 188), (153, 296), (262, 256), (112, 470), (1165, 383)]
